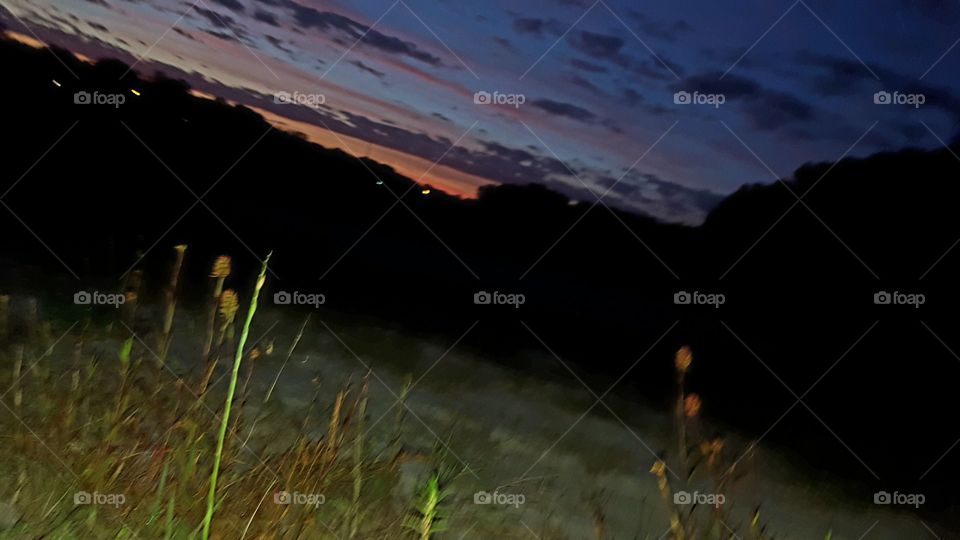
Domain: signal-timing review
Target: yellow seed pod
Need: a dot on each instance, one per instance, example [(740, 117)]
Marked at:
[(229, 303), (221, 267), (683, 359), (691, 405), (712, 447)]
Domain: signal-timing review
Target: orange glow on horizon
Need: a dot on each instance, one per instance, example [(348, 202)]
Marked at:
[(25, 39), (441, 177), (37, 44), (202, 95)]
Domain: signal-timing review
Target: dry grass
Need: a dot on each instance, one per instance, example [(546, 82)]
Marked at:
[(700, 461), (114, 423)]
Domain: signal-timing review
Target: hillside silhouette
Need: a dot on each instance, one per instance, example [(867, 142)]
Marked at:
[(799, 278)]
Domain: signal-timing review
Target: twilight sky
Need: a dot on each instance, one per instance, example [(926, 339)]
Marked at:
[(598, 82)]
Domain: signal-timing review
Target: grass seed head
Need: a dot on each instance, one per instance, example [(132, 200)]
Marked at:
[(683, 359), (691, 405), (229, 303), (711, 449), (221, 267)]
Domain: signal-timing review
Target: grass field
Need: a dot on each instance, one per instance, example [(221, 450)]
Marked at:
[(112, 426)]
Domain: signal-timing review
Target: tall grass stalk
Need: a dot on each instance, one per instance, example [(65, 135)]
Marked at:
[(238, 357), (17, 403), (659, 470), (170, 299), (357, 472), (220, 272), (273, 385), (293, 347), (401, 415), (426, 518), (682, 362), (17, 369), (124, 356), (227, 309)]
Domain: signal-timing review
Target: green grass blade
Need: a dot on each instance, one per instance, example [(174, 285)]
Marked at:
[(238, 357)]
